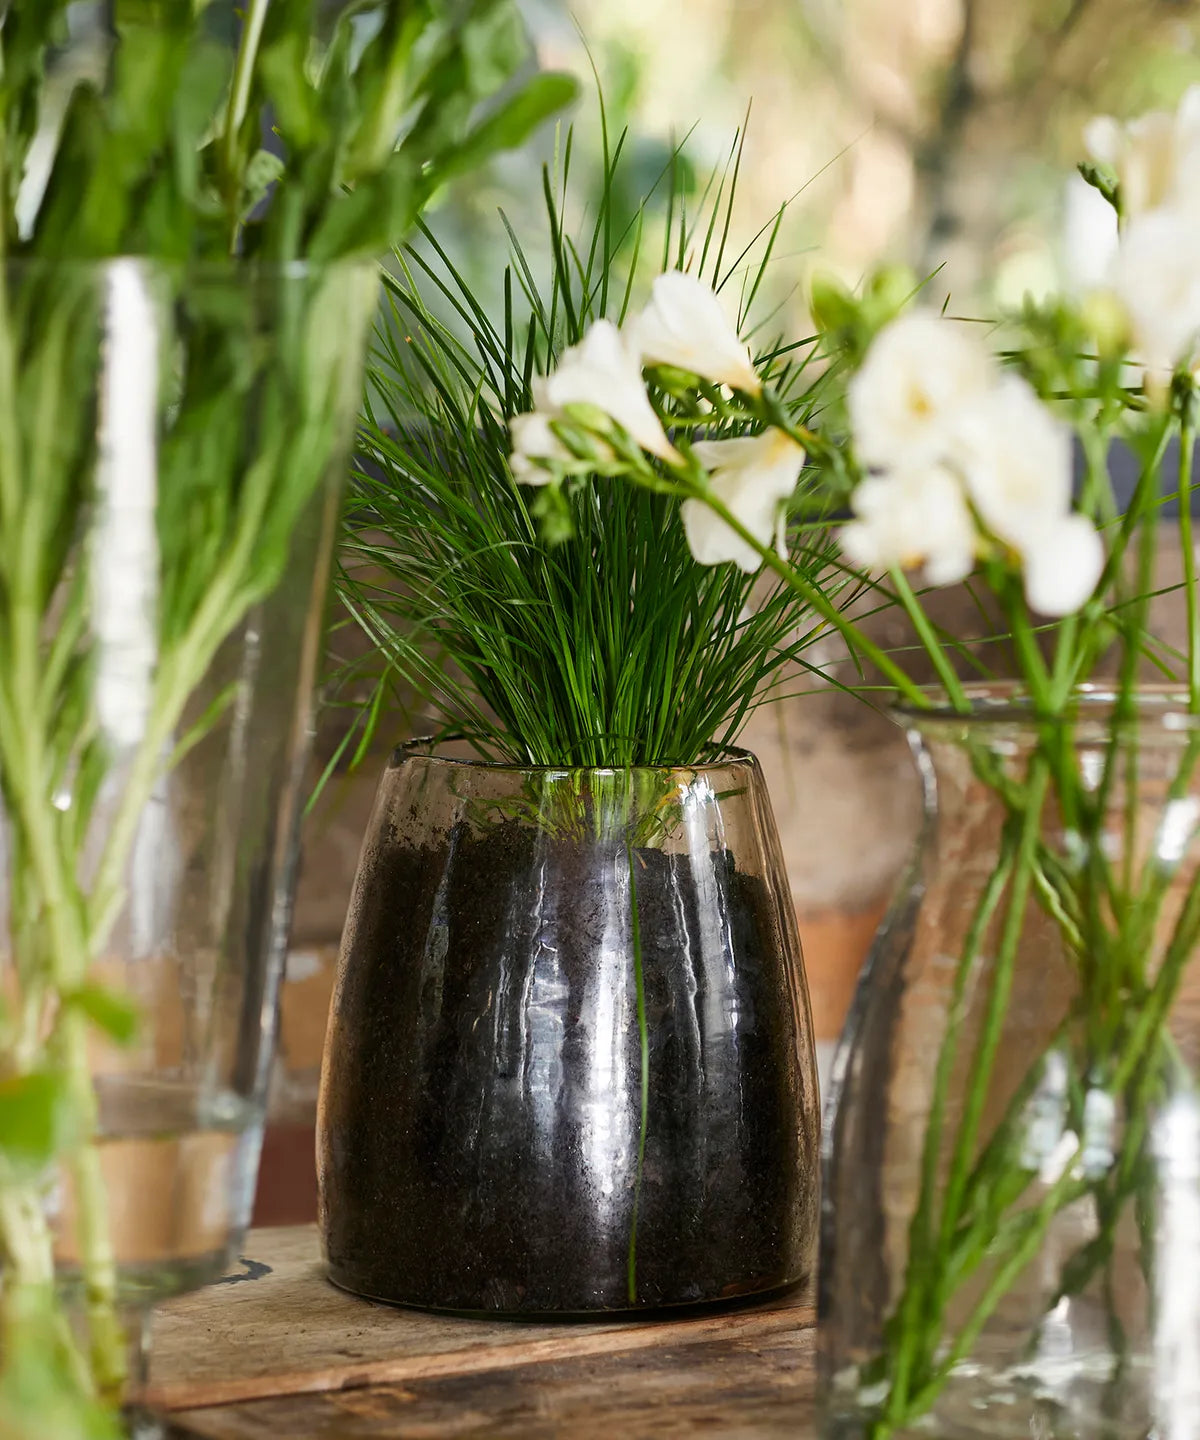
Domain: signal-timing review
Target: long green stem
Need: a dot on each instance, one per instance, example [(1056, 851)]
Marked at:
[(930, 1292), (815, 598), (925, 633), (179, 672), (1001, 990), (921, 1260), (239, 98), (1187, 442)]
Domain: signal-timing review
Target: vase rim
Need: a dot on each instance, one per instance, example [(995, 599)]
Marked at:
[(1005, 706), (732, 757)]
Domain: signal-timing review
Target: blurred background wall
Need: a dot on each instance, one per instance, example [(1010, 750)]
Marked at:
[(941, 132)]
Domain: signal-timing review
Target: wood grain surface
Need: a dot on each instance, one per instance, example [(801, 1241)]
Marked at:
[(744, 1388), (275, 1350)]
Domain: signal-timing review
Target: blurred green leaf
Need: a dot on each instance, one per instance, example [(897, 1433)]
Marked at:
[(37, 1121), (109, 1010), (508, 126), (494, 47), (42, 1395), (262, 172), (293, 98)]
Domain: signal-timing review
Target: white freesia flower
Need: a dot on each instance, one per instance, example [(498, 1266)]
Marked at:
[(1156, 279), (532, 441), (916, 516), (1016, 462), (1156, 157), (685, 325), (1063, 565), (752, 476), (920, 374), (604, 370), (965, 455)]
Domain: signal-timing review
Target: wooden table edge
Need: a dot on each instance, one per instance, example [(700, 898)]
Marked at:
[(359, 1374)]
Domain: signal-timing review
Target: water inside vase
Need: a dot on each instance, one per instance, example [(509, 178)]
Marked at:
[(1078, 1394), (179, 1162)]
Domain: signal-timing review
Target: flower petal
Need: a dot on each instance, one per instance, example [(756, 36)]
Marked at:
[(911, 518), (1062, 569), (919, 374), (1157, 282), (1015, 457), (603, 371), (712, 542), (1103, 139), (534, 440), (685, 325), (753, 476)]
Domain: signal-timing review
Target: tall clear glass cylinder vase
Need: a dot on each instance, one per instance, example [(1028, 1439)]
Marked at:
[(1011, 1232), (172, 447)]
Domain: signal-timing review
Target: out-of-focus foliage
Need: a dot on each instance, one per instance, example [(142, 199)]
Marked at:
[(937, 132)]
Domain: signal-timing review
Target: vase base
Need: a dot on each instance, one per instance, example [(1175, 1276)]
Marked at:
[(1084, 1398), (734, 1299)]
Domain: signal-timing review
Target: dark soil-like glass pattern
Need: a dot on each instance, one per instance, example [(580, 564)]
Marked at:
[(491, 1137)]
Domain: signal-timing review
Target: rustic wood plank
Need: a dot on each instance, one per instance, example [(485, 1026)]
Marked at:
[(740, 1387), (276, 1327)]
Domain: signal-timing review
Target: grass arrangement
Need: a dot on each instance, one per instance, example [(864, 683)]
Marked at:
[(587, 635)]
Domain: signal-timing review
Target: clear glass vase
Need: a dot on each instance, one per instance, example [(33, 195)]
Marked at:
[(173, 446), (1011, 1222), (570, 1065)]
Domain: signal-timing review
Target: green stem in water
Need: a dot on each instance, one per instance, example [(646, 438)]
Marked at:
[(998, 998), (920, 1260), (922, 1332), (1066, 1189), (28, 1249), (107, 1339)]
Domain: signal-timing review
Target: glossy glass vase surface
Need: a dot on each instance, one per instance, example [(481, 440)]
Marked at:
[(569, 1066), (1011, 1215), (194, 427)]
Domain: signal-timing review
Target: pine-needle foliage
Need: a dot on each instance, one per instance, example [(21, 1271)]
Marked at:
[(587, 637)]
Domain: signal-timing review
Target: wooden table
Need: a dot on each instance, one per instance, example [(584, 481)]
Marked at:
[(275, 1351)]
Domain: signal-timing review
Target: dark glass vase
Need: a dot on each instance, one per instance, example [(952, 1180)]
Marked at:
[(570, 1065)]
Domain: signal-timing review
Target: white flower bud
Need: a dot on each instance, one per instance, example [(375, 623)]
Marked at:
[(1156, 158), (532, 441), (604, 371)]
